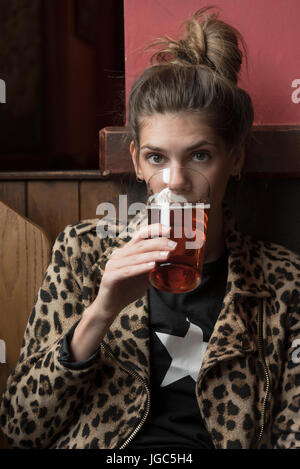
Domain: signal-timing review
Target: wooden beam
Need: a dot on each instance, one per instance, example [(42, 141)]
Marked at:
[(275, 152), (53, 175)]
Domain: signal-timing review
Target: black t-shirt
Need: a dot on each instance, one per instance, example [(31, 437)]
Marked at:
[(180, 325)]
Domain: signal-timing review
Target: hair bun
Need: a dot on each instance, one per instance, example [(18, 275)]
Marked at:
[(209, 43)]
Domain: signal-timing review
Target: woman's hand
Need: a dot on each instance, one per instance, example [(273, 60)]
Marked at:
[(126, 272)]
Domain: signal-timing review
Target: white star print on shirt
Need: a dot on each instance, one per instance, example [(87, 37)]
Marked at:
[(187, 353)]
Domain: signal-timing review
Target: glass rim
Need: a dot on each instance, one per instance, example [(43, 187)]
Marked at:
[(185, 205)]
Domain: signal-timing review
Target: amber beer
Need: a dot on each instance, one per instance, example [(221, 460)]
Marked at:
[(182, 271)]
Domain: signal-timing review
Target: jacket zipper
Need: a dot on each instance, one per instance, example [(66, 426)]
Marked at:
[(266, 372), (133, 373)]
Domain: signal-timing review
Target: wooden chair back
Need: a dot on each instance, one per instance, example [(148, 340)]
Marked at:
[(24, 257)]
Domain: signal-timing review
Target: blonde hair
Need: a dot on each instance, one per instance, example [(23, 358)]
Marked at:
[(198, 73)]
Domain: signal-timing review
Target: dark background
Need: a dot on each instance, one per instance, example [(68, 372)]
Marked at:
[(63, 64)]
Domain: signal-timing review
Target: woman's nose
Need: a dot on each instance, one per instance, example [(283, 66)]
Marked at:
[(178, 180)]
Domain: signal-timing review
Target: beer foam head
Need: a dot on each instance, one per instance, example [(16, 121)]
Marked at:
[(166, 196)]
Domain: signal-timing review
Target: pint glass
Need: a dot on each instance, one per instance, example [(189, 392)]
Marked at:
[(179, 198)]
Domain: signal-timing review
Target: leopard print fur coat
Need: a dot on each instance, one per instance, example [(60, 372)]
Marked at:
[(248, 388)]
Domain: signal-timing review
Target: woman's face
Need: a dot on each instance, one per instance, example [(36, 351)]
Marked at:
[(184, 140)]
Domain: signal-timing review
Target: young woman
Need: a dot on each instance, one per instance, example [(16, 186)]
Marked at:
[(109, 361)]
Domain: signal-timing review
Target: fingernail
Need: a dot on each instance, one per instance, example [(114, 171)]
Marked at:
[(172, 244), (164, 253)]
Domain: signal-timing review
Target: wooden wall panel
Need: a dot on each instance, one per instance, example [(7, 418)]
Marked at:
[(92, 193), (53, 205), (13, 194)]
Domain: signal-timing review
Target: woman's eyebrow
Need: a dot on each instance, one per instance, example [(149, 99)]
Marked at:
[(196, 145)]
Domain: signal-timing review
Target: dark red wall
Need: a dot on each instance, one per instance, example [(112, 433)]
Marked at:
[(270, 28)]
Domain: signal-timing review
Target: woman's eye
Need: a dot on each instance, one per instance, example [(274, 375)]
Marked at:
[(199, 156), (154, 158), (202, 156)]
